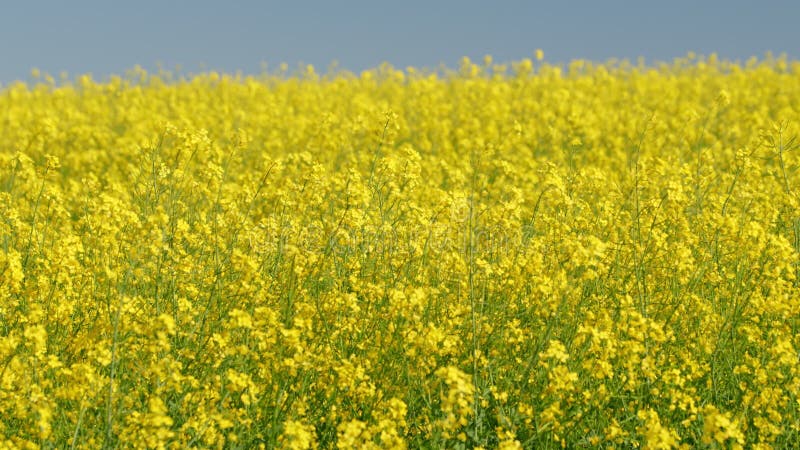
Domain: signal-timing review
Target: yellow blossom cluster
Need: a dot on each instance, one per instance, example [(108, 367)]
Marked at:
[(522, 255)]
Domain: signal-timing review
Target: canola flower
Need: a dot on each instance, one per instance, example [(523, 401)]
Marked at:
[(518, 255)]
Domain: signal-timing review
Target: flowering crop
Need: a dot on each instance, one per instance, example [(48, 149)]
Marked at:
[(500, 256)]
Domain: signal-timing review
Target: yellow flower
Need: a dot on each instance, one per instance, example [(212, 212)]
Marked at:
[(718, 427), (399, 258), (298, 435), (656, 435)]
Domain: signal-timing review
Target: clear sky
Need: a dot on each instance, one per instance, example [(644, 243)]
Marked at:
[(106, 37)]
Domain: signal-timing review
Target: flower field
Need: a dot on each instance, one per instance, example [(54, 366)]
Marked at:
[(495, 256)]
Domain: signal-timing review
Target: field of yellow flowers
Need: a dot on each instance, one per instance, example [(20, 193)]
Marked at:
[(496, 256)]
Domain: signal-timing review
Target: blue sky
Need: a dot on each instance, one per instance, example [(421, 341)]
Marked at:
[(105, 37)]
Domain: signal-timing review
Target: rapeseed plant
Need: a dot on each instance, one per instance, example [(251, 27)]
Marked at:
[(520, 255)]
